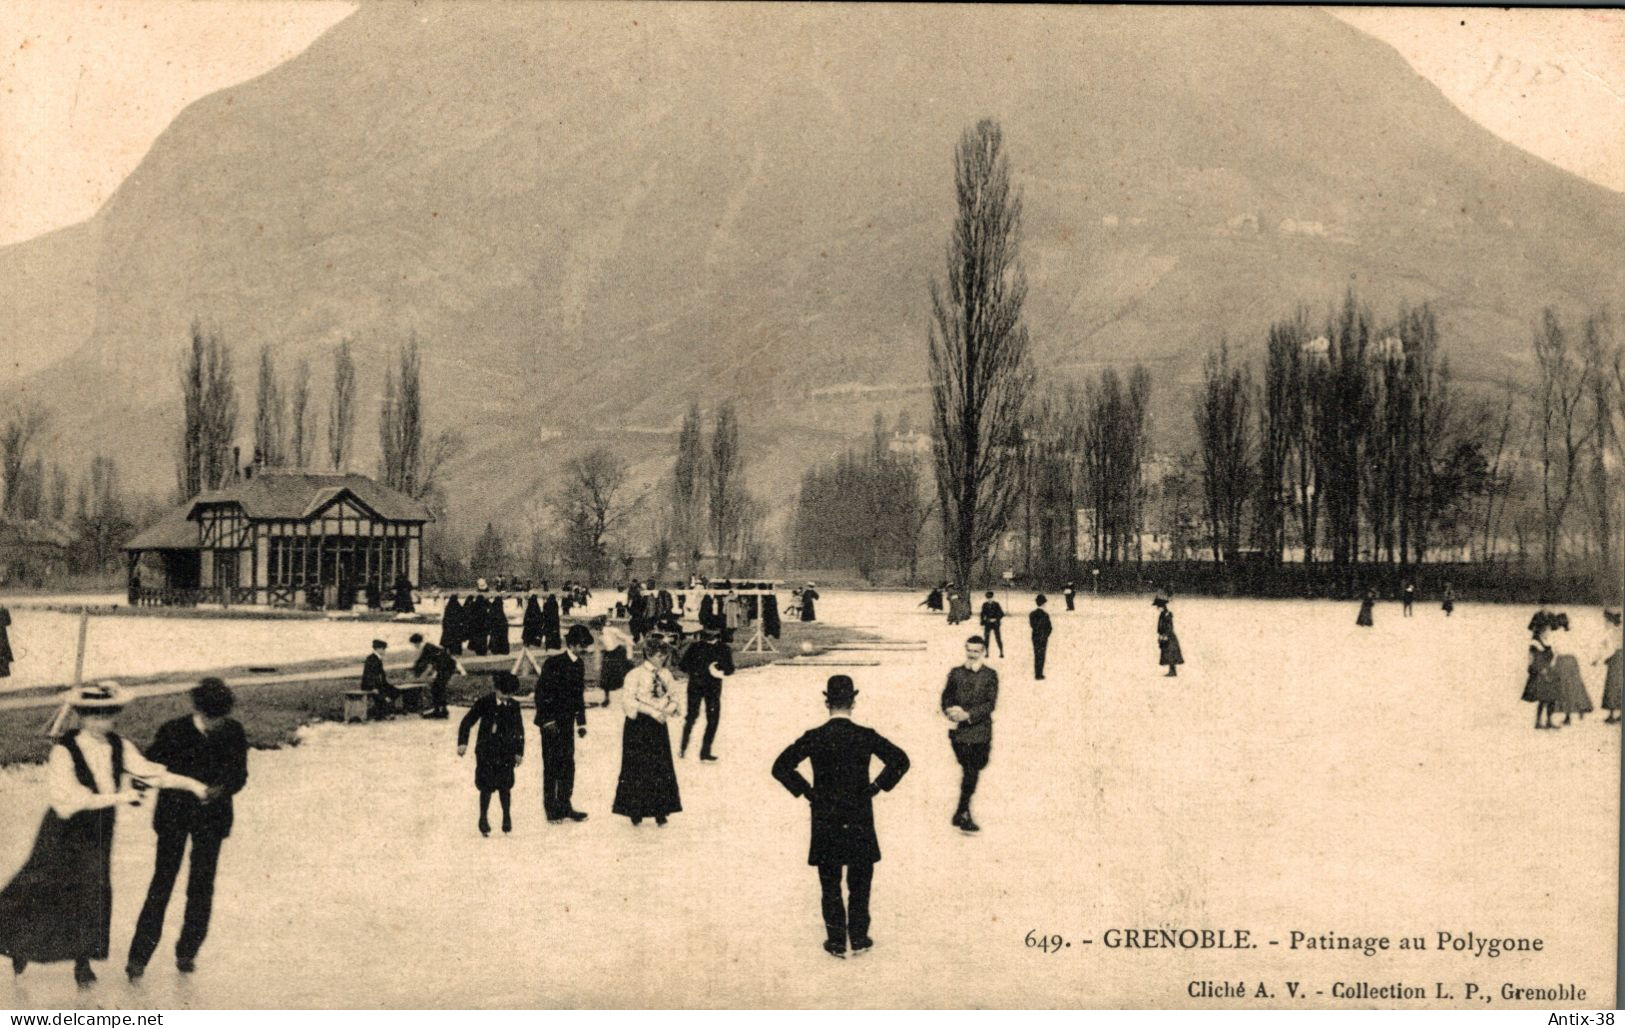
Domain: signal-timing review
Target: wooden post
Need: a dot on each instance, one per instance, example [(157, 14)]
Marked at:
[(79, 653)]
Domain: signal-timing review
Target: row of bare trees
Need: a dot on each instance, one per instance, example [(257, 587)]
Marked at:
[(863, 510)]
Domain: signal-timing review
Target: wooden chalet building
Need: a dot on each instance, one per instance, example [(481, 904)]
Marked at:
[(281, 538)]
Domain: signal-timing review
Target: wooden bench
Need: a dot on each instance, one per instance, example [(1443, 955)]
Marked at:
[(358, 702)]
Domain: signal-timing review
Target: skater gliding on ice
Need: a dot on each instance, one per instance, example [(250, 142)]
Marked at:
[(211, 747), (706, 662), (1169, 655), (647, 786), (968, 701), (59, 906), (561, 700), (1040, 623), (992, 617), (841, 798), (498, 748)]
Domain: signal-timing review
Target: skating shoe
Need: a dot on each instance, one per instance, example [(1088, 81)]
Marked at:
[(862, 945), (559, 820), (485, 827), (507, 824), (636, 821), (709, 758), (134, 971), (577, 816), (18, 965), (185, 965), (965, 824), (83, 974), (660, 820), (835, 949)]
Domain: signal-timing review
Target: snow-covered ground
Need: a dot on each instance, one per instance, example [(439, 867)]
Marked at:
[(1300, 774)]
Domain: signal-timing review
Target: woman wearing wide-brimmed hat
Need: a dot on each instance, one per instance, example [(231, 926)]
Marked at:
[(59, 906), (1170, 656), (647, 786)]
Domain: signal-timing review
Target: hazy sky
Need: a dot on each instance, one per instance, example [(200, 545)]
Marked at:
[(86, 86)]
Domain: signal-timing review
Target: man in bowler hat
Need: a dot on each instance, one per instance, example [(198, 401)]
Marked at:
[(1040, 624), (211, 747), (560, 701), (843, 817)]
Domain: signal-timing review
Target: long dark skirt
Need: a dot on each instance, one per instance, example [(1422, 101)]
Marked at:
[(1364, 619), (616, 665), (648, 782), (1170, 653), (60, 904), (1572, 697)]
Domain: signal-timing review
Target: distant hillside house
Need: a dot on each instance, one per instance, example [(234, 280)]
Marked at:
[(282, 538)]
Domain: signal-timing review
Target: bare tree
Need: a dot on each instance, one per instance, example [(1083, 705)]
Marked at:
[(203, 458), (21, 431), (688, 487), (978, 344), (301, 418), (724, 488), (1280, 431), (1601, 358), (270, 416), (400, 423), (1226, 447), (1564, 433), (341, 411), (592, 502)]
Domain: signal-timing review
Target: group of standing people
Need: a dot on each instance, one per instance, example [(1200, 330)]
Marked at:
[(646, 786), (58, 907), (1554, 684)]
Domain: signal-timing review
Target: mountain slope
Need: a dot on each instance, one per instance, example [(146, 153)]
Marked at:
[(592, 213)]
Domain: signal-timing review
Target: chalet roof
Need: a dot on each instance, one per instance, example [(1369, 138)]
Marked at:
[(174, 531), (277, 494), (299, 494)]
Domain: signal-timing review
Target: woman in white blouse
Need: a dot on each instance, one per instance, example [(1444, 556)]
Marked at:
[(647, 786), (59, 906)]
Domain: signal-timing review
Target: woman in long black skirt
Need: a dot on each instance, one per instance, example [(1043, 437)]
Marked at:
[(648, 782), (1169, 655), (1363, 619), (498, 748), (451, 627), (60, 905)]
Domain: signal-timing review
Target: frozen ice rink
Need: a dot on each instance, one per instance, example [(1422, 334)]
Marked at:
[(1300, 774)]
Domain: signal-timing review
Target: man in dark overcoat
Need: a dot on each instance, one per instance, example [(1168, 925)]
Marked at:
[(1039, 621), (561, 705), (706, 662), (843, 817), (375, 680), (211, 747)]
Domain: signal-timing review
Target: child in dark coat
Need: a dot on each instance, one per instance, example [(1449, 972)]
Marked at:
[(498, 748)]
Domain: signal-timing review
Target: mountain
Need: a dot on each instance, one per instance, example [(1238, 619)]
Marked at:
[(592, 213)]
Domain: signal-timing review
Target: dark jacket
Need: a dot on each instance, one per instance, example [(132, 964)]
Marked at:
[(843, 816), (992, 613), (444, 664), (217, 758), (1039, 620), (976, 692), (699, 657), (373, 677), (502, 729), (559, 690)]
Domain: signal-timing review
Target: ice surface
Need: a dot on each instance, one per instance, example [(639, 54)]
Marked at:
[(1300, 773)]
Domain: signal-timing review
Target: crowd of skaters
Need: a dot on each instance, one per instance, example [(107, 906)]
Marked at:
[(58, 906)]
